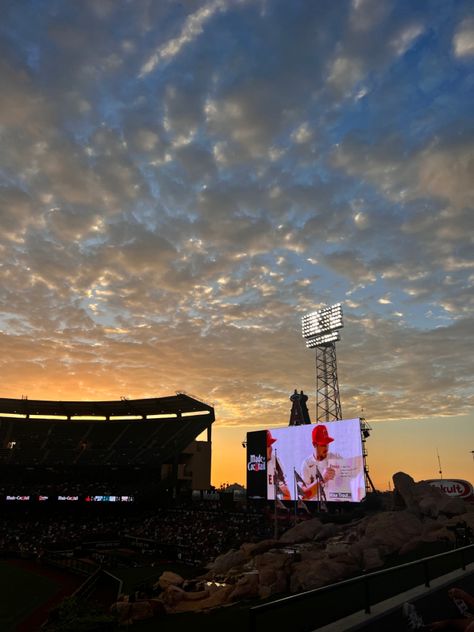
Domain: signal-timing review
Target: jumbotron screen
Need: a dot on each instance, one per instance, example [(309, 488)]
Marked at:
[(312, 462)]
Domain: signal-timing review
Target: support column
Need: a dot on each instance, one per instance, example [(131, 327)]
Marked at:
[(328, 402)]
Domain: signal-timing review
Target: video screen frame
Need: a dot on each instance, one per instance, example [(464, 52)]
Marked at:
[(311, 462)]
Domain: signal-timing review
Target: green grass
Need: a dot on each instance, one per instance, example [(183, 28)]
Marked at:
[(21, 593)]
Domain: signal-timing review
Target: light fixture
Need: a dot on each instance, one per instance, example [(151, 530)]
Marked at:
[(320, 328), (320, 331)]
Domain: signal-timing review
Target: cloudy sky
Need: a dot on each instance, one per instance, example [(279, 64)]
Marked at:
[(181, 181)]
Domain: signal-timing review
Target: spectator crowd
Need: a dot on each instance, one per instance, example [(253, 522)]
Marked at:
[(194, 534)]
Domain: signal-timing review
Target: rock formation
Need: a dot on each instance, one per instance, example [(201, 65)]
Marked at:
[(313, 554), (423, 499)]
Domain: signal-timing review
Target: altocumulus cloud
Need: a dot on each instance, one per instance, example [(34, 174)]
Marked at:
[(180, 182)]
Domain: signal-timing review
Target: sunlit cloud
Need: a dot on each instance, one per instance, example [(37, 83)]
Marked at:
[(463, 41), (193, 27), (167, 231)]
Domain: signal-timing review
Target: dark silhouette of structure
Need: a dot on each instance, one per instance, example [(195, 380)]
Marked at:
[(152, 441), (299, 414)]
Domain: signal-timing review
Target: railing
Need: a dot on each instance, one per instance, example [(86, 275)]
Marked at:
[(88, 585), (87, 588), (199, 399), (315, 608)]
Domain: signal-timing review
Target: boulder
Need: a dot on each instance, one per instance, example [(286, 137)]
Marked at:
[(272, 559), (371, 559), (313, 554), (388, 531), (172, 595), (360, 526), (217, 597), (356, 554), (337, 547), (247, 587), (430, 525), (272, 582), (168, 578), (422, 499), (453, 507), (141, 611), (196, 595), (428, 507), (225, 562), (273, 568), (308, 574), (351, 536), (411, 545), (405, 488), (122, 610), (157, 606), (302, 532), (251, 549), (432, 501), (350, 564), (326, 531), (439, 535)]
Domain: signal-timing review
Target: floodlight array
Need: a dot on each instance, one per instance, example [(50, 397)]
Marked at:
[(318, 341), (322, 322)]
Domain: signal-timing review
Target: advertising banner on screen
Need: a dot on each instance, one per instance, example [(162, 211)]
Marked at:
[(257, 464), (310, 462)]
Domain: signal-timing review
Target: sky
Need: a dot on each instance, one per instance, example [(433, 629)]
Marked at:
[(181, 181)]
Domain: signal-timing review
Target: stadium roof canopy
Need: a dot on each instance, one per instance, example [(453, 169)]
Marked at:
[(139, 432), (175, 406)]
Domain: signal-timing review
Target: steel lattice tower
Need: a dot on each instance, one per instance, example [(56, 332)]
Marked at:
[(321, 331), (328, 401)]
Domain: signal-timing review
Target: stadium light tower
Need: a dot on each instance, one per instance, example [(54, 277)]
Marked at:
[(321, 332)]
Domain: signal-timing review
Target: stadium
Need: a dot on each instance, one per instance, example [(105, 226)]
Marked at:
[(122, 485), (115, 451), (109, 519)]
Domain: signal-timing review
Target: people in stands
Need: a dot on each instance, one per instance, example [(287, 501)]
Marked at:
[(194, 536), (464, 623)]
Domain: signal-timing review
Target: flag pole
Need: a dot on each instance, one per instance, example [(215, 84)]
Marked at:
[(275, 526), (318, 478), (296, 493)]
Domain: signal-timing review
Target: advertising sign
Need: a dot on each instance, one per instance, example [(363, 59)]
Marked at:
[(67, 498), (257, 464), (455, 488)]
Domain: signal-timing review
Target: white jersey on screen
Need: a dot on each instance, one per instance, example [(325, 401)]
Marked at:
[(310, 468)]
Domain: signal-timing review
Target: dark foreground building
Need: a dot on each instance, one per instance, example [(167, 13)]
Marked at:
[(104, 451)]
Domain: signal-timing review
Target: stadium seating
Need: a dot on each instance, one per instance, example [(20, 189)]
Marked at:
[(148, 435)]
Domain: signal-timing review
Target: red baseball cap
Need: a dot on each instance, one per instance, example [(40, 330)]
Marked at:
[(270, 439), (320, 436)]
